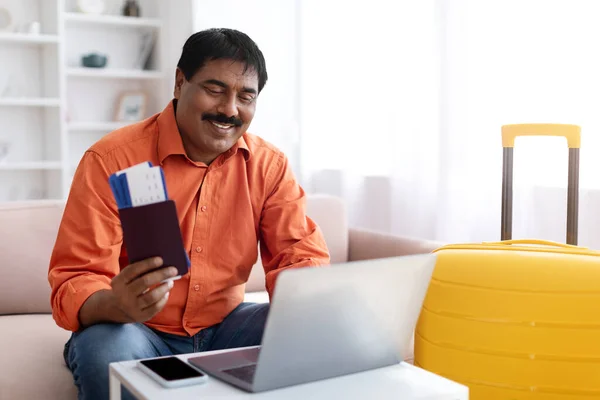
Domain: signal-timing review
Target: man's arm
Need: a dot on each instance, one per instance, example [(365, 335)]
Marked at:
[(289, 238), (101, 307), (85, 257), (87, 284)]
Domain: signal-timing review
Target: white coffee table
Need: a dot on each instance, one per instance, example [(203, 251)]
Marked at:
[(402, 381)]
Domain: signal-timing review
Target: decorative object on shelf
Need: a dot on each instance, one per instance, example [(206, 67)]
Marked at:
[(131, 106), (4, 150), (91, 6), (131, 8), (6, 20), (34, 28), (147, 45), (94, 60)]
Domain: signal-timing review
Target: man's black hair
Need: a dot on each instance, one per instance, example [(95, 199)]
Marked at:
[(221, 43)]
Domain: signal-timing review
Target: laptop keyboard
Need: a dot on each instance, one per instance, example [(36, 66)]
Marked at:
[(245, 373)]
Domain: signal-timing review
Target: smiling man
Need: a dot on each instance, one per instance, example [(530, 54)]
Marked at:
[(233, 192)]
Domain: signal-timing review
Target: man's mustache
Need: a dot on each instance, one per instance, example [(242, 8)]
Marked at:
[(222, 119)]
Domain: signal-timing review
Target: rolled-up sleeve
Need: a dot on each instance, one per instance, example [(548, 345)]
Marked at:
[(289, 238), (85, 257)]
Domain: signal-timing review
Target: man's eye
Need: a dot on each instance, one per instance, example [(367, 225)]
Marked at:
[(214, 91), (246, 99)]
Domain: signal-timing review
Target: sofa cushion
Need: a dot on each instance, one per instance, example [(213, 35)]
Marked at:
[(27, 234), (32, 359), (330, 215)]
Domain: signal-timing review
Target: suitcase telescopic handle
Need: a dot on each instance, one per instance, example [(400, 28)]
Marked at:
[(573, 135), (571, 132)]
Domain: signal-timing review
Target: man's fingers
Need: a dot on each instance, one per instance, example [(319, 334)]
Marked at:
[(151, 297), (154, 308), (142, 283), (133, 271)]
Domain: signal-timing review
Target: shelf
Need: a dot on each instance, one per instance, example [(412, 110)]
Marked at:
[(113, 20), (28, 38), (55, 103), (97, 126), (30, 101), (30, 166), (114, 73)]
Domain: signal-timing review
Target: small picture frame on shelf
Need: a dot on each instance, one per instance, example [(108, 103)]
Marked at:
[(131, 106)]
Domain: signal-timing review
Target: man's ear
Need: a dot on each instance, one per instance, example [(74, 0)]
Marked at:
[(179, 79)]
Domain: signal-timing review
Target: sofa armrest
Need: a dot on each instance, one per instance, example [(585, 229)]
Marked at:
[(367, 245)]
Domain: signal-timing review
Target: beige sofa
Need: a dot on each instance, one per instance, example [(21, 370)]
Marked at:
[(31, 344)]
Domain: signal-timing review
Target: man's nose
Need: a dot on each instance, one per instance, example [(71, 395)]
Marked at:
[(228, 106)]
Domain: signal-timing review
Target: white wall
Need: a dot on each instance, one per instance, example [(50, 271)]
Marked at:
[(272, 24)]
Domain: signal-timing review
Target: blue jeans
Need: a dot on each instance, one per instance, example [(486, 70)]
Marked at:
[(88, 352)]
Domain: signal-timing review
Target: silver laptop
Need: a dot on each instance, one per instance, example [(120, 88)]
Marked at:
[(330, 321)]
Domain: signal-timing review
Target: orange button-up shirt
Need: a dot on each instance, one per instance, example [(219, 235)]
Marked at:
[(245, 196)]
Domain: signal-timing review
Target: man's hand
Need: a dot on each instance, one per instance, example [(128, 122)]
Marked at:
[(136, 292), (136, 295)]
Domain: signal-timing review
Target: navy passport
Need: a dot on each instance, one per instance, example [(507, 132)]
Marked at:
[(148, 217), (153, 230)]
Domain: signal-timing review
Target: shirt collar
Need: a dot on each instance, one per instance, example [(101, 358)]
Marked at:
[(170, 143)]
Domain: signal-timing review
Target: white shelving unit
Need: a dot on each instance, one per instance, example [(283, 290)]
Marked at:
[(53, 108), (28, 38), (112, 20), (30, 101), (113, 73)]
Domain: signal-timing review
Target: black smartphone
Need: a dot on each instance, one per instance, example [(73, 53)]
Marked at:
[(172, 372)]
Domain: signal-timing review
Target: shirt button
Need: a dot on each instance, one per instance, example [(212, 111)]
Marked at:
[(196, 287), (198, 249), (203, 208)]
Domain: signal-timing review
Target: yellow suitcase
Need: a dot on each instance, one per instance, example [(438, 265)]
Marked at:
[(517, 319)]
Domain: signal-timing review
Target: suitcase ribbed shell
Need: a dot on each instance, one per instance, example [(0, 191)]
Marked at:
[(514, 321)]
